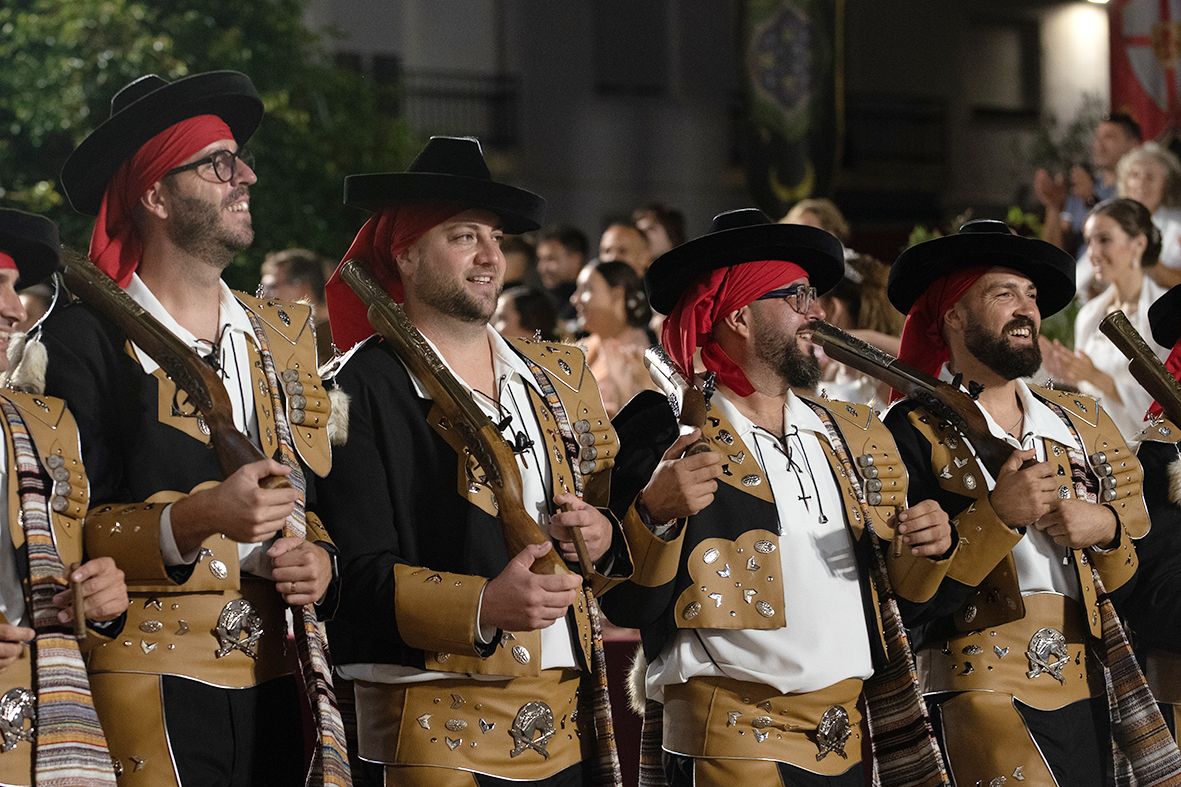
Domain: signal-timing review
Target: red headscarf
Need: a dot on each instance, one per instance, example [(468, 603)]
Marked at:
[(115, 245), (7, 262), (690, 324), (382, 238), (923, 346)]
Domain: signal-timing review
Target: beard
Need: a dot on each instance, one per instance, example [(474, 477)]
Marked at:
[(995, 352), (799, 369), (197, 228), (449, 297)]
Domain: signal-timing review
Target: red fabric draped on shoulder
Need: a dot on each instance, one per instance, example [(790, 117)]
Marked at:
[(115, 245), (691, 323), (379, 242)]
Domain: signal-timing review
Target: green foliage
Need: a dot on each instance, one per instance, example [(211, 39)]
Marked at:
[(64, 62), (1057, 146)]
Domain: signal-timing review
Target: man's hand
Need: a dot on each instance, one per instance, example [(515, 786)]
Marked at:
[(577, 513), (519, 600), (238, 507), (682, 486), (924, 527), (301, 570), (1021, 497), (1050, 190), (1078, 524), (104, 592), (13, 640)]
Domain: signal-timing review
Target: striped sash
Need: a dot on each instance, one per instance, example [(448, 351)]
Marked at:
[(70, 750), (606, 768), (329, 764)]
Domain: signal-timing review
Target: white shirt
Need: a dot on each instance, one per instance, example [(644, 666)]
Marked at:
[(1041, 564), (234, 333), (1129, 413), (513, 380), (825, 640), (1167, 220)]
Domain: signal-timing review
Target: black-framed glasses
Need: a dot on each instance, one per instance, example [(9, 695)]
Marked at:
[(223, 162), (799, 296)]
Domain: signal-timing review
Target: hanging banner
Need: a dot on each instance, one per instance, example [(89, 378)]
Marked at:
[(1146, 63), (793, 83)]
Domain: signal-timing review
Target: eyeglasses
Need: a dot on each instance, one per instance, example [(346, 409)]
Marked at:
[(799, 296), (224, 163)]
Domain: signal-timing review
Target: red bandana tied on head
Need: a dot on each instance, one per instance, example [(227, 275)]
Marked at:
[(7, 262), (923, 346), (115, 245), (383, 237), (691, 323)]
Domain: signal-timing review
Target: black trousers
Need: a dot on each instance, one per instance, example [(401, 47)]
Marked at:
[(235, 737), (678, 769)]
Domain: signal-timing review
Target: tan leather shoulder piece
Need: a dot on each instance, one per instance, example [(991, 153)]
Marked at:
[(292, 340), (55, 438), (735, 584), (436, 610), (875, 459), (578, 391), (1162, 431), (740, 469), (1108, 456)]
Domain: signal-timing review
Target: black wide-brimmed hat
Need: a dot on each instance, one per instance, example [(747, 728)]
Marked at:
[(983, 242), (143, 109), (1164, 318), (32, 241), (744, 235), (449, 170)]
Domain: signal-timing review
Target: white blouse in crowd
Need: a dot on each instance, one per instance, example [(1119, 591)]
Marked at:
[(513, 380), (1167, 220), (826, 639), (1128, 414)]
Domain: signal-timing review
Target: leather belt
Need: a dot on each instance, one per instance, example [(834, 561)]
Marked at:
[(232, 639), (522, 729), (1040, 659), (818, 731)]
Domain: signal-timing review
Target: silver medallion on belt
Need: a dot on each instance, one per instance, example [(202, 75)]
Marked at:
[(1047, 654), (834, 729), (17, 706), (238, 628), (532, 729)]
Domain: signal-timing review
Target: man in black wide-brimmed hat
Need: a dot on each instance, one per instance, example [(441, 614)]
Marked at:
[(212, 566), (467, 666), (756, 587), (51, 733), (1009, 648)]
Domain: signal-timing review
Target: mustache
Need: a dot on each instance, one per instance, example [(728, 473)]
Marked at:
[(235, 195)]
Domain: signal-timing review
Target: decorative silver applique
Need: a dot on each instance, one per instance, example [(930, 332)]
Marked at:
[(691, 610), (711, 556), (732, 718), (424, 721), (751, 480), (716, 598), (532, 728), (724, 572), (146, 647), (582, 426), (17, 706), (456, 725), (453, 743), (832, 732), (1047, 653), (182, 627), (969, 481), (565, 367), (945, 473), (150, 626), (959, 462), (751, 565), (969, 613), (1019, 773), (1164, 431), (521, 654), (761, 735), (973, 650), (218, 569), (1082, 407), (238, 628), (749, 594), (765, 609), (765, 547), (487, 726), (1000, 652), (725, 437)]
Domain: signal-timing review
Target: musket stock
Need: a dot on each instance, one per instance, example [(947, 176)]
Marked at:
[(1143, 364)]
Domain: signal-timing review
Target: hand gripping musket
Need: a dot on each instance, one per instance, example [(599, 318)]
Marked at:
[(190, 373), (1143, 364), (480, 435), (687, 400)]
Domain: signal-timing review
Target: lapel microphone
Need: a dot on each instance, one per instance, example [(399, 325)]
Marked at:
[(520, 442)]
